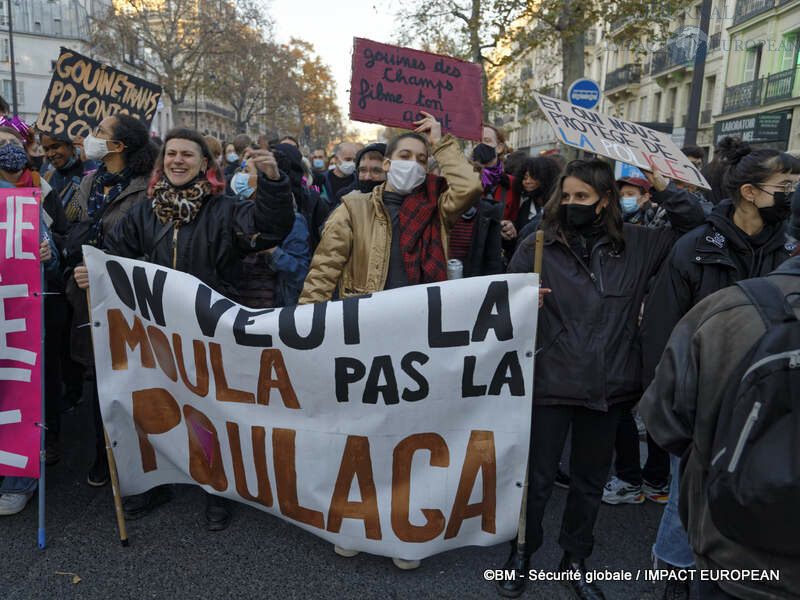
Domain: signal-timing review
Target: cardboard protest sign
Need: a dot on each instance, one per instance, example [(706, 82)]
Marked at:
[(619, 139), (397, 424), (83, 92), (20, 332), (391, 85)]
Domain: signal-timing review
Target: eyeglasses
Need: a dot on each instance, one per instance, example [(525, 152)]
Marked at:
[(787, 188), (14, 142)]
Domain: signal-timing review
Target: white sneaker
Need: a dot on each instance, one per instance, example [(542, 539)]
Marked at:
[(406, 565), (617, 491), (345, 553), (11, 504)]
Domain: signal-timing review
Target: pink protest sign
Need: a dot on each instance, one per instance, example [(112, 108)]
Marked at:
[(391, 85), (20, 332)]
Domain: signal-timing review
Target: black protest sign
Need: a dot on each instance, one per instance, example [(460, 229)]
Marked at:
[(83, 92)]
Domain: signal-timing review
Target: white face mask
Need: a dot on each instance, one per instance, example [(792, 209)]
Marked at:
[(347, 167), (95, 148), (405, 175)]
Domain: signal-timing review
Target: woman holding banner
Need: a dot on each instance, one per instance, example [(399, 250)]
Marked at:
[(188, 224), (588, 362), (122, 144)]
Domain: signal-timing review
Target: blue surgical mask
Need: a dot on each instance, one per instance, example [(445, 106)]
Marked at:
[(319, 164), (231, 157), (630, 204), (240, 184)]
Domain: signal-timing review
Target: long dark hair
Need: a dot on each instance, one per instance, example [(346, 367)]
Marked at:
[(745, 165), (600, 176), (542, 169), (139, 152), (212, 174)]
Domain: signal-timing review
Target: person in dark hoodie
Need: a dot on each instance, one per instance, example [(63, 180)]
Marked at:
[(743, 237), (534, 184), (314, 208)]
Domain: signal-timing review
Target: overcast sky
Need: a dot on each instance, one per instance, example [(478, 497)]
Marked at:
[(331, 27)]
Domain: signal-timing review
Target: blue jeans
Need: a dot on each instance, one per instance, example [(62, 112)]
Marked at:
[(18, 485), (672, 543)]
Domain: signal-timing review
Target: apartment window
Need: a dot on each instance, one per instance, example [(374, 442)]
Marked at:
[(789, 58), (672, 94), (642, 107), (8, 93), (711, 84), (631, 110), (5, 53), (656, 107), (752, 63)]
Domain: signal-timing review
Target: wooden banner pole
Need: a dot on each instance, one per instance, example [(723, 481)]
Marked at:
[(112, 464)]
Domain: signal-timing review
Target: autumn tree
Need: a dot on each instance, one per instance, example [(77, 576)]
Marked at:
[(169, 41), (493, 33)]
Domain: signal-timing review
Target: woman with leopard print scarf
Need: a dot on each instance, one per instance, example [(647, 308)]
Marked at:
[(188, 224)]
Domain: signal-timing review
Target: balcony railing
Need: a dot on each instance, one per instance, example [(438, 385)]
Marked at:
[(746, 9), (671, 57), (780, 85), (766, 90), (744, 95), (705, 116), (630, 73)]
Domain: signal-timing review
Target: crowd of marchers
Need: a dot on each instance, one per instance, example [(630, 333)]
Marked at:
[(667, 313)]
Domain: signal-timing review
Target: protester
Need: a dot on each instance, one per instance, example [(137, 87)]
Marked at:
[(105, 196), (497, 184), (369, 170), (695, 155), (319, 164), (15, 173), (214, 146), (743, 237), (16, 491), (534, 184), (715, 170), (635, 201), (588, 361), (231, 163), (342, 174), (397, 234), (288, 139), (187, 224), (272, 277), (686, 406)]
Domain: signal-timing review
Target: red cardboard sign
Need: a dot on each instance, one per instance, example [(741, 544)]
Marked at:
[(391, 85)]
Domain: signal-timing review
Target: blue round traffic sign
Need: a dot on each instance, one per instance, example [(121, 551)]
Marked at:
[(584, 93)]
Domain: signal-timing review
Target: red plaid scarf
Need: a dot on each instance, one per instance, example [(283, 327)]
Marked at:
[(421, 234)]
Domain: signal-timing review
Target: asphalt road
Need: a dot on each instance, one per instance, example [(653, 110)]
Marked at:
[(172, 556)]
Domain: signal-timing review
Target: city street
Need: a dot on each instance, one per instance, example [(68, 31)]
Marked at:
[(171, 555)]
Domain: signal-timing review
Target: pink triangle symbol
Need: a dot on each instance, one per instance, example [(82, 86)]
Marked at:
[(206, 439)]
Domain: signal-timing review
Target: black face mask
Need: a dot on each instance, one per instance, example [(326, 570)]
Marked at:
[(366, 186), (580, 216), (778, 212), (483, 154)]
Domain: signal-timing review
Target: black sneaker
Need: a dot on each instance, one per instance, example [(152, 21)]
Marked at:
[(139, 505), (562, 479), (217, 514), (98, 474)]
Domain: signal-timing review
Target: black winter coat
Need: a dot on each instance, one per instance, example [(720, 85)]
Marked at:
[(485, 256), (225, 230), (315, 209), (588, 348), (714, 256)]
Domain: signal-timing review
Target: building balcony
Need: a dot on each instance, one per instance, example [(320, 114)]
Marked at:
[(747, 9), (742, 96), (759, 92), (780, 86), (629, 74), (667, 59)]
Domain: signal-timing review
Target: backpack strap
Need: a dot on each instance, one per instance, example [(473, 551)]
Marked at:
[(768, 300)]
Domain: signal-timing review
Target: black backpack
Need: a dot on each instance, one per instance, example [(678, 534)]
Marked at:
[(754, 480)]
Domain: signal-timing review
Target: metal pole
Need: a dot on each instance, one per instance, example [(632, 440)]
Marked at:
[(43, 430), (15, 108), (698, 75)]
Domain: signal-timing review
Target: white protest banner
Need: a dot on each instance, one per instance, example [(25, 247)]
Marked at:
[(396, 424), (619, 139)]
